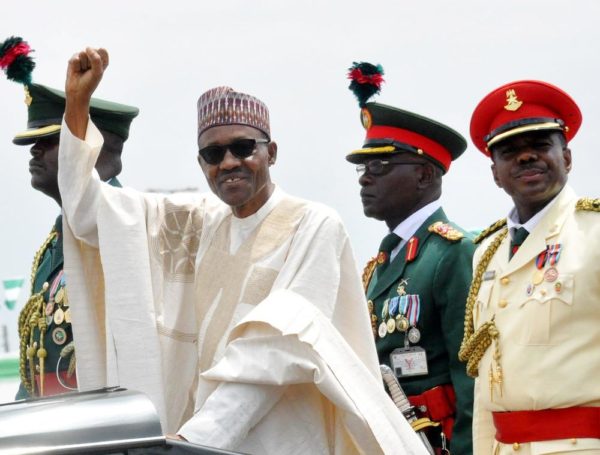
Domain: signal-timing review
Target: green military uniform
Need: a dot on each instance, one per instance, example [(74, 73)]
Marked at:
[(417, 301), (439, 275)]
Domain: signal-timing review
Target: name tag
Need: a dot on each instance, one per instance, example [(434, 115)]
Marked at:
[(407, 362), (489, 275)]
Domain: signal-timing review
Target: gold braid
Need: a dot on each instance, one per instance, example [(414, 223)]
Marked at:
[(29, 318), (475, 344)]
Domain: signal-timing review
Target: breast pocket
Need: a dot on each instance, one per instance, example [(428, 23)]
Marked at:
[(483, 302), (547, 312)]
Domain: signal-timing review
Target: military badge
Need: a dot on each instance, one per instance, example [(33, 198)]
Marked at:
[(446, 231)]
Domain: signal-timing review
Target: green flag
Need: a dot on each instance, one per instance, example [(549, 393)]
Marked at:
[(12, 289)]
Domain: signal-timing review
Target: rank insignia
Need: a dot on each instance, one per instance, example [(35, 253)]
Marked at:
[(412, 249), (588, 204), (446, 231), (512, 103)]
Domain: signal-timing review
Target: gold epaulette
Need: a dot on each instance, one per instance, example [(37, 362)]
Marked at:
[(588, 204), (490, 230), (368, 272), (446, 231)]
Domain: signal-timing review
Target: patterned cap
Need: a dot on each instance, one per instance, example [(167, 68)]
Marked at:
[(224, 106)]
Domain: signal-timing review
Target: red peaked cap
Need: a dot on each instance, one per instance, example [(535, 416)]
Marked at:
[(391, 130), (520, 107)]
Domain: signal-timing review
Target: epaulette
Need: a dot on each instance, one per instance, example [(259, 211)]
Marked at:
[(490, 230), (588, 204), (368, 272), (446, 231)]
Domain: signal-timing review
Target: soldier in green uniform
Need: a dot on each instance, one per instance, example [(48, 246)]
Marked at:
[(418, 283), (47, 356)]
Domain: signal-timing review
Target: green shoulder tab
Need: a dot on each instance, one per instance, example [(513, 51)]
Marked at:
[(490, 230), (446, 231), (588, 204)]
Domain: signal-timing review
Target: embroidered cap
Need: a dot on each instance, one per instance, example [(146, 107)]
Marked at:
[(224, 106), (520, 107)]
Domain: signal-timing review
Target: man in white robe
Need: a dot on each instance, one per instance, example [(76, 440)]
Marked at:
[(244, 322)]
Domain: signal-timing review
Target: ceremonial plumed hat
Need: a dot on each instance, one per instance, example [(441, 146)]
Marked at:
[(224, 106), (391, 130), (46, 106), (520, 107)]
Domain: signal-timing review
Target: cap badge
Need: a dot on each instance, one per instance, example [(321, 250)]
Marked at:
[(512, 103), (365, 117), (28, 98)]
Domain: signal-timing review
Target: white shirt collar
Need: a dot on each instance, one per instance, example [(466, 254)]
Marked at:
[(407, 228), (513, 223)]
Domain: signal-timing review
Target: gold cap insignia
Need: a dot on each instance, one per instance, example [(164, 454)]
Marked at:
[(365, 117), (28, 98), (512, 103)]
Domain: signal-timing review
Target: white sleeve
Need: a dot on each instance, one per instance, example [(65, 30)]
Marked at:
[(229, 413), (78, 182)]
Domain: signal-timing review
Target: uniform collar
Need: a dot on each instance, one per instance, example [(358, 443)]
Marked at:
[(513, 223)]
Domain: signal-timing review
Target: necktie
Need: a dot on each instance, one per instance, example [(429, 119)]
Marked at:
[(518, 238), (388, 243)]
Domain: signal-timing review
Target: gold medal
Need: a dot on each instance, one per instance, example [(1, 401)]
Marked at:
[(391, 325), (382, 330), (551, 274), (538, 277), (68, 316), (402, 324), (59, 296), (59, 316), (370, 306)]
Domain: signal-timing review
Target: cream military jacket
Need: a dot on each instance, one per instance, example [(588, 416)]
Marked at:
[(549, 332)]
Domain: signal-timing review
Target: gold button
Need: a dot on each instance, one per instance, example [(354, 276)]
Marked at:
[(516, 446), (573, 441), (543, 291), (502, 303), (505, 280)]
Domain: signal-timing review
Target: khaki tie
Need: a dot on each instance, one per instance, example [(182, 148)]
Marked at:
[(388, 243), (518, 238)]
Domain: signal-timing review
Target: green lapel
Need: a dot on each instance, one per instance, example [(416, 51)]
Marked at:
[(396, 269)]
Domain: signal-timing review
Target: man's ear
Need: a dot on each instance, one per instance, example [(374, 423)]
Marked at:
[(495, 175), (272, 150), (567, 159), (427, 176)]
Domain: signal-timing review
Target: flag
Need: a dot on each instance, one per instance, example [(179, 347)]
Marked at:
[(12, 289)]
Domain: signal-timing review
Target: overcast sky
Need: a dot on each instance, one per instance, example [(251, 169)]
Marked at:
[(440, 58)]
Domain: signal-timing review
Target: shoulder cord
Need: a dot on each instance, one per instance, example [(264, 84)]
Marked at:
[(475, 343), (32, 315)]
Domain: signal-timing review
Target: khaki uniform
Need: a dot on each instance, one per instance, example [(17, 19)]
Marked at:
[(549, 337)]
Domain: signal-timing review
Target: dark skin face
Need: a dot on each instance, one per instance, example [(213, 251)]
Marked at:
[(401, 190), (43, 166), (532, 168), (244, 184)]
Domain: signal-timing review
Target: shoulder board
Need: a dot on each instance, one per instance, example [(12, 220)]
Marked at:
[(446, 231), (588, 204), (490, 230)]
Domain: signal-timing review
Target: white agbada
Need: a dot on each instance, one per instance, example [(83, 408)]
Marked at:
[(247, 334)]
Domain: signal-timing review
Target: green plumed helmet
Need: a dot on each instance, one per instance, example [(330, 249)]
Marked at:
[(46, 106)]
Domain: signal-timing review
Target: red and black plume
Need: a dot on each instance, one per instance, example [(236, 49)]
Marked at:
[(15, 60), (366, 80)]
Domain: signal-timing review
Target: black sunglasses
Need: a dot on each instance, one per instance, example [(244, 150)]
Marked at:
[(240, 148), (379, 167)]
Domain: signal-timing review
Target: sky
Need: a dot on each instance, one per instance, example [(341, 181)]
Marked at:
[(440, 58)]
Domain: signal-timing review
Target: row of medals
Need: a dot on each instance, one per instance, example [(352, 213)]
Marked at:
[(550, 275), (392, 324), (58, 316)]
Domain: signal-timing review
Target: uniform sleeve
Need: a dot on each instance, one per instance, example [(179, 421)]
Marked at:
[(452, 282)]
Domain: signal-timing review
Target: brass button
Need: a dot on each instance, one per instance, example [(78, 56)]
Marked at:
[(543, 291), (502, 303), (516, 446), (505, 280), (573, 441)]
